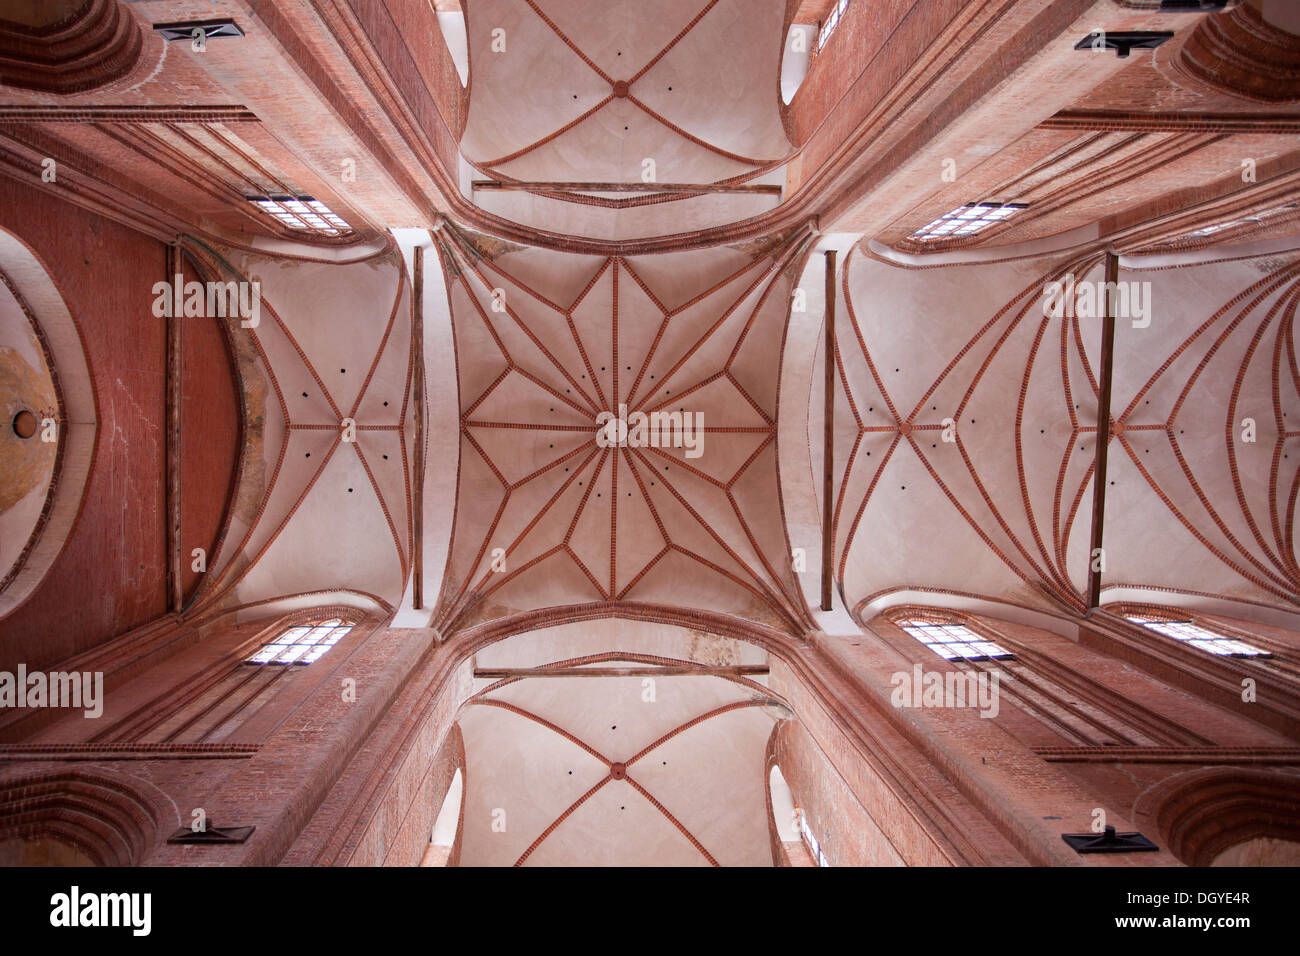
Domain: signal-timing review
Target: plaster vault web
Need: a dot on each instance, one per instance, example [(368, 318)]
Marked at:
[(324, 504)]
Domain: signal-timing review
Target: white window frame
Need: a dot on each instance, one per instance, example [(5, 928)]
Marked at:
[(302, 213), (1256, 219), (967, 220), (954, 642), (831, 22), (1187, 631), (303, 643), (809, 840)]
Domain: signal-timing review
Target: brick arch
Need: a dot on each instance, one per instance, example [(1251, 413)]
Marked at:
[(350, 616), (111, 823), (31, 284), (1201, 814), (1178, 612), (97, 44), (1240, 53), (448, 766), (931, 615), (779, 836)]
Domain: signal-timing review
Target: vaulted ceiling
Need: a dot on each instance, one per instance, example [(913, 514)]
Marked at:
[(546, 343), (593, 210), (619, 209), (985, 414), (687, 96), (323, 503), (1193, 508), (653, 768), (1207, 413)]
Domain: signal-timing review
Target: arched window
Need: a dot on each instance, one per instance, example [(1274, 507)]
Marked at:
[(1254, 219), (224, 704), (451, 20), (446, 826), (831, 22), (303, 213), (48, 434), (953, 641), (796, 58), (810, 841), (1040, 674), (1183, 628), (967, 220), (302, 643), (792, 823)]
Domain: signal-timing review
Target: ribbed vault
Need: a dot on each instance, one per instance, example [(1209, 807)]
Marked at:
[(1002, 510), (547, 342)]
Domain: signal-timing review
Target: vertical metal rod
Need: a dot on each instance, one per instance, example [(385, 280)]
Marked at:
[(828, 440), (172, 432), (417, 343), (1095, 550)]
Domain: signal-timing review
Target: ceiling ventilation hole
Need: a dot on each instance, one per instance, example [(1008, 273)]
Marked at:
[(24, 424), (199, 30)]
